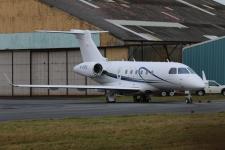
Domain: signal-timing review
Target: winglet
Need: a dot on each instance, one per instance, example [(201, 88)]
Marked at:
[(203, 76), (7, 78)]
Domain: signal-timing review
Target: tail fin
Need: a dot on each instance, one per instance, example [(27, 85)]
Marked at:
[(89, 50), (203, 76)]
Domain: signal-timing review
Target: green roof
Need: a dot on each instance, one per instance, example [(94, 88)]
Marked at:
[(17, 41)]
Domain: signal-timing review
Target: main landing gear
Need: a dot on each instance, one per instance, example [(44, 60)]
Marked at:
[(188, 98), (110, 97), (142, 98)]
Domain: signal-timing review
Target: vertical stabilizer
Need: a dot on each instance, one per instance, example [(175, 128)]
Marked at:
[(89, 50)]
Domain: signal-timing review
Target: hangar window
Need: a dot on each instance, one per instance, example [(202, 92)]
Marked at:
[(173, 71), (183, 71)]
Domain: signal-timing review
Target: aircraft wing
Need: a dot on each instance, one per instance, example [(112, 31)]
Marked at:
[(54, 87), (101, 87)]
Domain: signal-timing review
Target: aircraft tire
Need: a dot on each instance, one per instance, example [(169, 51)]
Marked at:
[(200, 93), (188, 101)]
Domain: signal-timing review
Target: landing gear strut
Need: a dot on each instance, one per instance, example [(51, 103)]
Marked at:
[(142, 99), (110, 97), (188, 98)]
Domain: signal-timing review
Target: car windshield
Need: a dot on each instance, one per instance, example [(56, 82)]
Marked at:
[(213, 83), (183, 71)]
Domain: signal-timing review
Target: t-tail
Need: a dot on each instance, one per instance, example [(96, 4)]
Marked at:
[(89, 50)]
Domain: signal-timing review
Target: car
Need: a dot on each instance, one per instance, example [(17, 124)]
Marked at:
[(211, 87)]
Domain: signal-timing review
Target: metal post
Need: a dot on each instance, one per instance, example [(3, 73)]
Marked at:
[(31, 72), (167, 53), (12, 73), (48, 74), (67, 73), (142, 51)]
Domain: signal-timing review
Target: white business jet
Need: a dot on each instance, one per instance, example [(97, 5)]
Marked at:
[(139, 79)]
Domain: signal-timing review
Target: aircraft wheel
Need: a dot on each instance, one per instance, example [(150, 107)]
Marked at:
[(171, 93), (188, 100), (163, 93), (111, 98), (200, 93)]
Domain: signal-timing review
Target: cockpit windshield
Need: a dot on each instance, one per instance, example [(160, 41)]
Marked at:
[(183, 71), (173, 71), (191, 70)]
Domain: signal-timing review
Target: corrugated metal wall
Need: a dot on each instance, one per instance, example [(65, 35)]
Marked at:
[(42, 67), (31, 58), (5, 67), (207, 56)]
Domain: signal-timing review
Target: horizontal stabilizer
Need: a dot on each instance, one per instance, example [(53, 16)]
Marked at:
[(72, 31)]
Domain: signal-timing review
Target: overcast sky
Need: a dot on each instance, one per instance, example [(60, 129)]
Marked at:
[(220, 1)]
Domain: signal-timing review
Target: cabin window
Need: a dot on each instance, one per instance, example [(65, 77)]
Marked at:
[(136, 72), (131, 72), (183, 71), (173, 71), (126, 71)]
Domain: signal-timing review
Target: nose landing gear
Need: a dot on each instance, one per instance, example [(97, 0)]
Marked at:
[(188, 98)]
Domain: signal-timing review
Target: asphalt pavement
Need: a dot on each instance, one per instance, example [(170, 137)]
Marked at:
[(32, 109)]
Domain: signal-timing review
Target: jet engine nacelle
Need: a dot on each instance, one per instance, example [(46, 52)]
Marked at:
[(90, 69)]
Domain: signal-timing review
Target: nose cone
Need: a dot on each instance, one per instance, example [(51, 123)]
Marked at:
[(198, 84), (194, 83)]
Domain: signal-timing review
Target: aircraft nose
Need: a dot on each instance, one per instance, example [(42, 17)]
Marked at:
[(194, 83), (198, 84)]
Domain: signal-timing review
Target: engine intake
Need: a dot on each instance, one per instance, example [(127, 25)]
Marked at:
[(98, 69), (89, 69)]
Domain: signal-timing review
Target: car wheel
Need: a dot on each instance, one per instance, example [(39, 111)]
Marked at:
[(201, 93), (223, 92)]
